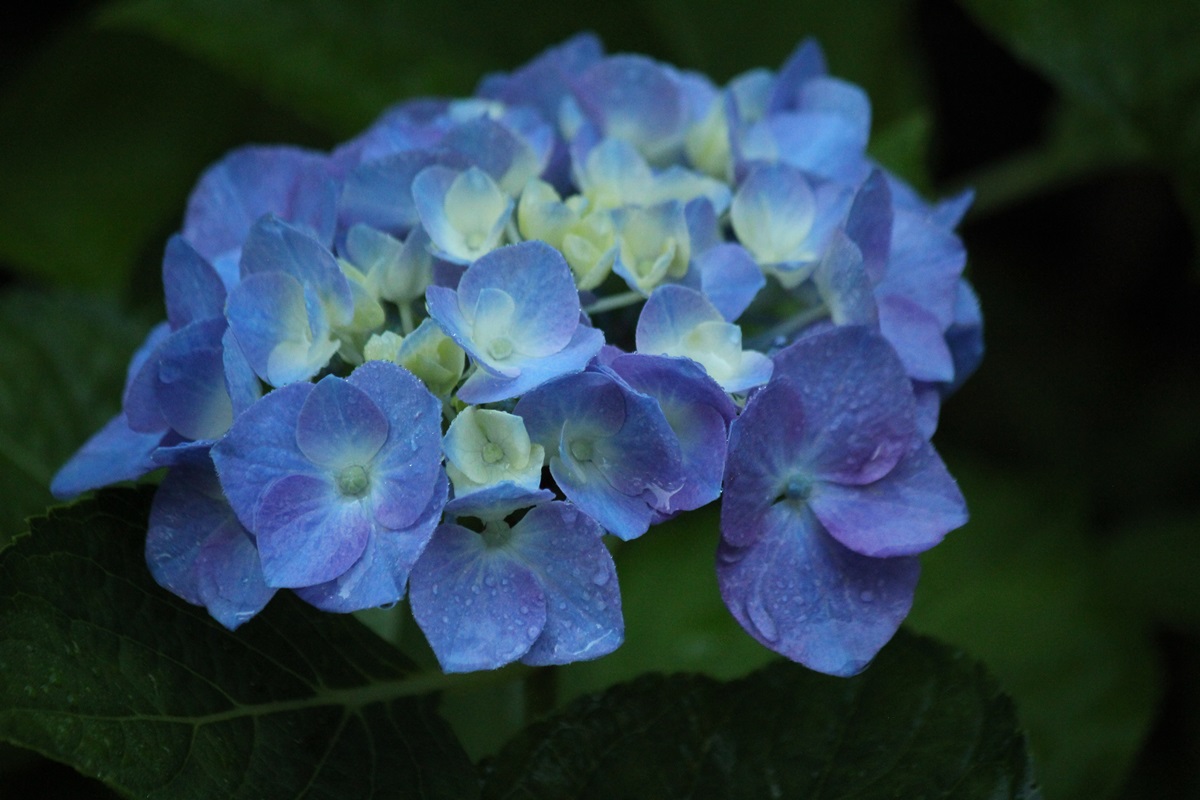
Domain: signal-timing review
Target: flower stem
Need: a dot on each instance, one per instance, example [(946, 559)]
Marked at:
[(614, 302)]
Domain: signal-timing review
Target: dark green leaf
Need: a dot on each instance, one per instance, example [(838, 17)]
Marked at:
[(1019, 588), (1133, 62), (103, 136), (1153, 567), (102, 669), (922, 721), (339, 64), (63, 361), (903, 147)]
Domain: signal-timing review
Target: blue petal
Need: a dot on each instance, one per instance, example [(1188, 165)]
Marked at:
[(565, 550), (380, 576), (114, 453), (800, 593), (192, 288), (478, 607), (140, 398), (273, 246), (379, 193), (729, 278), (234, 193), (196, 548), (635, 464), (307, 532), (537, 278), (241, 382), (699, 413), (269, 314), (191, 381), (906, 512), (260, 447), (483, 387), (408, 467), (339, 425), (842, 281), (869, 223), (964, 337), (638, 100), (918, 339), (497, 501), (805, 63)]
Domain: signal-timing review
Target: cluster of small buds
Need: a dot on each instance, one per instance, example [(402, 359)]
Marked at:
[(442, 361)]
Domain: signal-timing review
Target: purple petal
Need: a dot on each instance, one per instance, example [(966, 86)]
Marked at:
[(140, 397), (699, 413), (906, 512), (307, 533), (242, 384), (800, 593), (478, 607), (275, 246), (566, 552), (858, 404), (805, 63), (339, 425), (543, 82), (918, 339)]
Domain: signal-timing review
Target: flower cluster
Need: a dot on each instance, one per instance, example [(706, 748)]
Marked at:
[(445, 359)]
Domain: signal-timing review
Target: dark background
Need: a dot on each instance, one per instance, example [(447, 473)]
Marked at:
[(1077, 443)]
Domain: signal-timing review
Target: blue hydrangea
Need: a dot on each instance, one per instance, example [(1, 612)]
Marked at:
[(447, 358)]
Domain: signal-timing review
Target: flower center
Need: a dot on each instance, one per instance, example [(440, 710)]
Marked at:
[(500, 348), (581, 450), (492, 453), (353, 481)]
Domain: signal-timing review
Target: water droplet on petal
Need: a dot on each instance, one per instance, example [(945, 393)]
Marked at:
[(532, 630), (866, 596), (600, 578)]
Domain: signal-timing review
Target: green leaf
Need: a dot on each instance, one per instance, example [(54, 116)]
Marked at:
[(338, 64), (675, 619), (104, 670), (903, 147), (64, 360), (103, 136), (922, 721), (1132, 62), (1019, 588), (1152, 565)]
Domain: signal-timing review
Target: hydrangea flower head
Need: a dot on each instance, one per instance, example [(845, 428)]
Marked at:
[(448, 358)]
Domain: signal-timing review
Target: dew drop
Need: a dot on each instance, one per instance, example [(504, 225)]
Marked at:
[(532, 630), (562, 606), (866, 595), (475, 588), (601, 577)]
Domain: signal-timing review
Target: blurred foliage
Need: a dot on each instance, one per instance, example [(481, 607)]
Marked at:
[(1078, 123), (1019, 588), (64, 359)]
